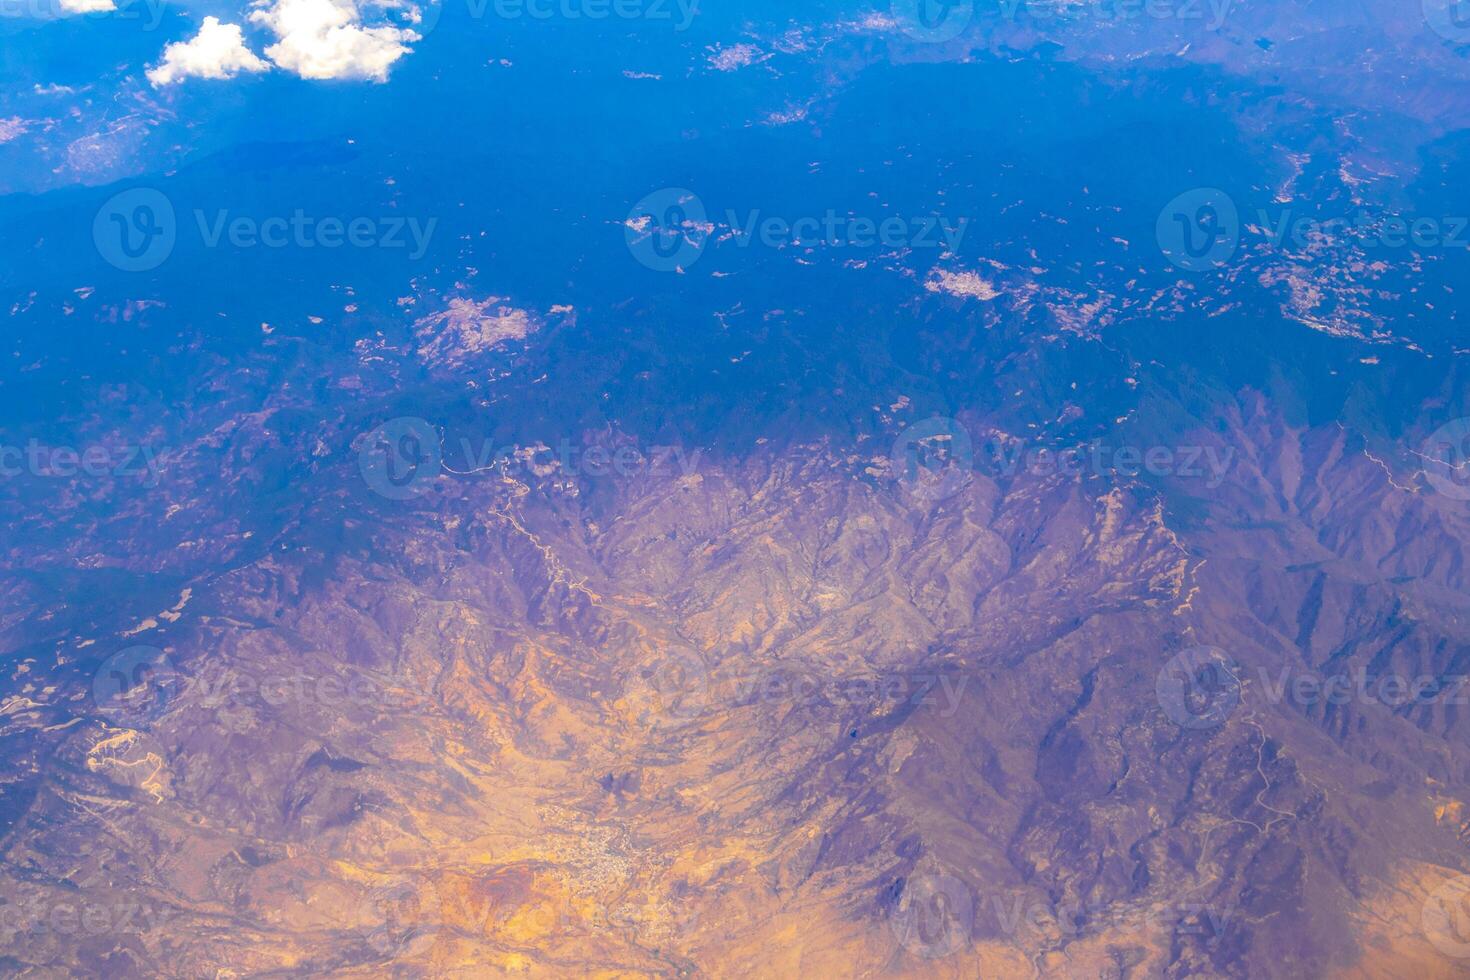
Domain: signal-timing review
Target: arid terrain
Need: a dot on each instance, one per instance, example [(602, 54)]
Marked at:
[(800, 494)]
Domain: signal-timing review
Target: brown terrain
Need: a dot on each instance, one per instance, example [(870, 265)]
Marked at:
[(772, 716)]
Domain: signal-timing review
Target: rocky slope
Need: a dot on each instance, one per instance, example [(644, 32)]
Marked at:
[(787, 713)]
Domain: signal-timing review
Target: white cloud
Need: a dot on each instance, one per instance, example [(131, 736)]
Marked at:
[(217, 51), (327, 39), (87, 6), (12, 127)]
